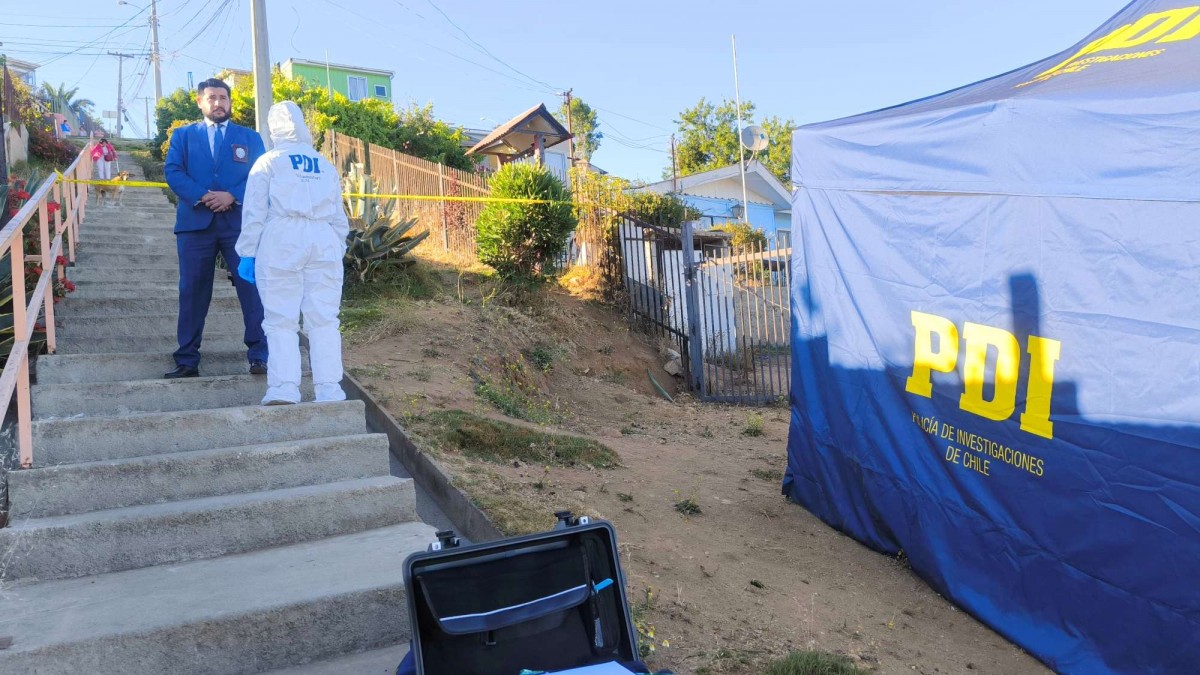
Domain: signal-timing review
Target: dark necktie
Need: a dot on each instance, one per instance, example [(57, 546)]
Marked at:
[(217, 138)]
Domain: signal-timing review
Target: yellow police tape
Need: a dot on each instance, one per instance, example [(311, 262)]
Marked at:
[(354, 195)]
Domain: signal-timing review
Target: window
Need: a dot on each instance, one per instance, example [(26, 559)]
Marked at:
[(357, 87), (380, 91)]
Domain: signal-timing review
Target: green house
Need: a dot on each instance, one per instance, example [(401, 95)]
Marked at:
[(352, 82)]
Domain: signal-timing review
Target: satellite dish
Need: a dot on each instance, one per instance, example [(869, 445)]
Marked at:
[(754, 138)]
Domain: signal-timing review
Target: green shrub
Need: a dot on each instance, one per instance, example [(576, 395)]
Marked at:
[(661, 210), (178, 106), (166, 144), (744, 234), (521, 241)]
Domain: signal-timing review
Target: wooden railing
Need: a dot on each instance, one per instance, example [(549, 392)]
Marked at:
[(71, 199)]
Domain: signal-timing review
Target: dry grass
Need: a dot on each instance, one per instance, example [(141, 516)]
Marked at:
[(583, 282)]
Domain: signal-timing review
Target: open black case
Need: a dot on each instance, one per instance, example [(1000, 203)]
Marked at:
[(543, 602)]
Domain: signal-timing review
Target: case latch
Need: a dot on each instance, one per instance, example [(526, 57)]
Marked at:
[(567, 519), (446, 539)]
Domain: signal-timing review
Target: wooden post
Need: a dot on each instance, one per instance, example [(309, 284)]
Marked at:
[(24, 419), (442, 202), (47, 268), (396, 180), (539, 149)]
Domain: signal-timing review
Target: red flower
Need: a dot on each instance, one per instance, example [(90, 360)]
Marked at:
[(60, 260), (21, 194), (69, 285), (57, 299), (52, 207), (37, 270), (13, 211)]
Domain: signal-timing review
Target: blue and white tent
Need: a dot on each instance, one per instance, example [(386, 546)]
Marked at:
[(996, 342)]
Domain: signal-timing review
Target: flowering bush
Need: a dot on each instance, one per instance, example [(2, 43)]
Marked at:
[(44, 146)]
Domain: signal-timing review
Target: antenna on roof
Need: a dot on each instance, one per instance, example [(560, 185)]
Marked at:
[(754, 138)]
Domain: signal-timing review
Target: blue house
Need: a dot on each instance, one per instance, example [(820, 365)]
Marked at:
[(717, 194)]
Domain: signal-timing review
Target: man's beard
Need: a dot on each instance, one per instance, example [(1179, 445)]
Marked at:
[(218, 116)]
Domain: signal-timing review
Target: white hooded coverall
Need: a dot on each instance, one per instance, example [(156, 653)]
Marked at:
[(295, 227)]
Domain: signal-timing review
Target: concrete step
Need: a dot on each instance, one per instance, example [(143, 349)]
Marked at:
[(95, 486), (93, 439), (240, 614), (78, 545), (116, 290), (91, 254), (95, 399), (79, 368), (90, 240), (375, 662), (102, 326), (146, 275), (128, 216), (84, 303), (159, 257), (154, 346)]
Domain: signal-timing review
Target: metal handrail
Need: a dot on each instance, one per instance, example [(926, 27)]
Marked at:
[(72, 203)]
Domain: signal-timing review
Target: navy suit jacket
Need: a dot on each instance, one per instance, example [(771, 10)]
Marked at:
[(192, 170)]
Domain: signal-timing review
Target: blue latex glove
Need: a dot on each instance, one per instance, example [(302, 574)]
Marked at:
[(246, 269)]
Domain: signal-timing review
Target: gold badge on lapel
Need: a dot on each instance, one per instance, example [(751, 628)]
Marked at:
[(240, 153)]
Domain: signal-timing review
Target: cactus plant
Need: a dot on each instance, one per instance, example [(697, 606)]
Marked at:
[(378, 239)]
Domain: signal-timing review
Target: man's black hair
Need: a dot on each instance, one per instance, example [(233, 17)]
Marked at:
[(213, 82)]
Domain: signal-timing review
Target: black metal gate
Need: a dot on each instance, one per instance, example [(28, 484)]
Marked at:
[(726, 308)]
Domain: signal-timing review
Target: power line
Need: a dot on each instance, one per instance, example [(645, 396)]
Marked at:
[(64, 44), (97, 60), (487, 52), (220, 8), (58, 54), (59, 25), (521, 84), (64, 55), (189, 21)]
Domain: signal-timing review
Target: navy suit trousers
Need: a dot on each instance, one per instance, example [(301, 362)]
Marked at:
[(197, 258)]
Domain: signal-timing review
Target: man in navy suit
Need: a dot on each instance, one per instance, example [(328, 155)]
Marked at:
[(207, 166)]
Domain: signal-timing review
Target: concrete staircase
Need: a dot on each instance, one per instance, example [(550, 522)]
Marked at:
[(175, 525)]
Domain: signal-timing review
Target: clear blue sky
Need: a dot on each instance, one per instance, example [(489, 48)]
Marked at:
[(640, 63)]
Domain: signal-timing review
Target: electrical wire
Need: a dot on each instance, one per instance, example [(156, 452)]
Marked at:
[(66, 54), (521, 84), (220, 8), (488, 53)]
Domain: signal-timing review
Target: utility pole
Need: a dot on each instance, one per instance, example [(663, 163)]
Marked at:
[(263, 97), (674, 168), (149, 131), (570, 126), (154, 56), (120, 86), (3, 127)]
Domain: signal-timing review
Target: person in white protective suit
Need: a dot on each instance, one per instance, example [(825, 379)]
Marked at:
[(293, 238)]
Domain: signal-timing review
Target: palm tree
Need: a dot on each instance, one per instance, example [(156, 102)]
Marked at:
[(63, 102)]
